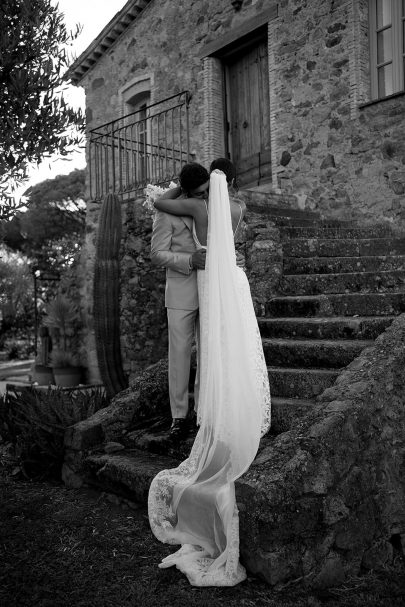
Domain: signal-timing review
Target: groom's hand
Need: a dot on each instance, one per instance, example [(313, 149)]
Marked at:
[(198, 259)]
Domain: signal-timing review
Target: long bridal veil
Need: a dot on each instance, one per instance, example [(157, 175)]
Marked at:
[(194, 505)]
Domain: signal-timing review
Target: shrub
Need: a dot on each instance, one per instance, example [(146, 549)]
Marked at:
[(61, 316), (18, 349), (35, 421)]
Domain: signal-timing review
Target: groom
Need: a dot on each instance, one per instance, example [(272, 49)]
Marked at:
[(173, 248)]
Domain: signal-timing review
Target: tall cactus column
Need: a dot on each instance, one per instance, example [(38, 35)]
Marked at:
[(106, 296)]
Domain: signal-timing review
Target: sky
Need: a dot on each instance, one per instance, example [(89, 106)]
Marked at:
[(93, 15)]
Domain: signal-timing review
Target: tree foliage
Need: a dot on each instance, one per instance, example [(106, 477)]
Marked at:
[(16, 290), (55, 207), (35, 120), (51, 231), (64, 191)]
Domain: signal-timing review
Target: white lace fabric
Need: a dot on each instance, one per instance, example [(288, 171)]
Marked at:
[(194, 504)]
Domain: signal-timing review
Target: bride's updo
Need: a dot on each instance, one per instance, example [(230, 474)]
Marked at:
[(227, 167)]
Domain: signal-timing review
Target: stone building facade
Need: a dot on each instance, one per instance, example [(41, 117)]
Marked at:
[(286, 89)]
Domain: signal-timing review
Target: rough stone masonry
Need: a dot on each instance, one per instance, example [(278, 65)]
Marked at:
[(327, 498)]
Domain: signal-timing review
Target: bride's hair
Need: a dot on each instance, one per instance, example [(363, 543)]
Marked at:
[(227, 167), (192, 175)]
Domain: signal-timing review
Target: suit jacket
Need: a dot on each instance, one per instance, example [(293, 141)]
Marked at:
[(171, 248)]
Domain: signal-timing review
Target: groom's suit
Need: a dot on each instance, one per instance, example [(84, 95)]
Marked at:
[(172, 247)]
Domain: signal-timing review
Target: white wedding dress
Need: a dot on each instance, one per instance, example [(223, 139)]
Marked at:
[(194, 505)]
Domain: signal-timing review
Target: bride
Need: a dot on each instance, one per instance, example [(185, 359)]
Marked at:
[(194, 505)]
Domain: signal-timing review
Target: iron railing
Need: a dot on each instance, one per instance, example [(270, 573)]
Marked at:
[(148, 146)]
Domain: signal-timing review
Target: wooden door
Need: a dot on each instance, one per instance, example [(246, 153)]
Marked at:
[(248, 107)]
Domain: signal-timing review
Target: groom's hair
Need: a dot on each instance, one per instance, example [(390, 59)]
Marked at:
[(192, 175), (226, 166)]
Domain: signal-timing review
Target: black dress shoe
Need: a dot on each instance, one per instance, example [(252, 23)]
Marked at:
[(179, 429)]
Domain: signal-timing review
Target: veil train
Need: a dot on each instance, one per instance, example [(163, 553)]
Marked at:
[(194, 505)]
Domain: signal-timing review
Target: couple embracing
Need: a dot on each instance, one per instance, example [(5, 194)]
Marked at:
[(194, 504)]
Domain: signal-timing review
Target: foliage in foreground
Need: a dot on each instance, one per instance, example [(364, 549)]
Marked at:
[(35, 421), (35, 121)]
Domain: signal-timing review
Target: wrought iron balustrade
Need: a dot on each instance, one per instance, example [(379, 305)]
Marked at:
[(148, 146)]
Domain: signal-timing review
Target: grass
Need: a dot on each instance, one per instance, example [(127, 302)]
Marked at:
[(81, 548)]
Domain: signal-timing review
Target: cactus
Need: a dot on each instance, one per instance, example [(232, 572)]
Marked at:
[(106, 296)]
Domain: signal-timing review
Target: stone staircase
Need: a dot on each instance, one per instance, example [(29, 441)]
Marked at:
[(341, 287)]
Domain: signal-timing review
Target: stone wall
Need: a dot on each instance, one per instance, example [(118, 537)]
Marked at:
[(143, 317), (327, 499), (162, 43), (341, 158)]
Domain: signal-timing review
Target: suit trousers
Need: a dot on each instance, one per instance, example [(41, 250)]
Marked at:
[(183, 330)]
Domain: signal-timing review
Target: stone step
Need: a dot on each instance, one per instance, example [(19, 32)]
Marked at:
[(340, 327), (128, 473), (307, 353), (298, 222), (283, 219), (344, 304), (345, 247), (270, 203), (337, 232), (286, 411), (153, 436), (341, 265), (300, 383), (272, 213), (363, 282)]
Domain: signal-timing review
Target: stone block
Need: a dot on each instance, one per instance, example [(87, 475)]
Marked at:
[(332, 573), (70, 478), (378, 556), (328, 162), (84, 435), (275, 567)]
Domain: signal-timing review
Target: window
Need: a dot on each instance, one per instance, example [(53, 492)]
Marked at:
[(138, 131), (136, 103), (387, 49), (136, 94), (134, 132)]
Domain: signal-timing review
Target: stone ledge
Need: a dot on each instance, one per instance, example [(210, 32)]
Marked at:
[(146, 396), (321, 499), (128, 474)]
